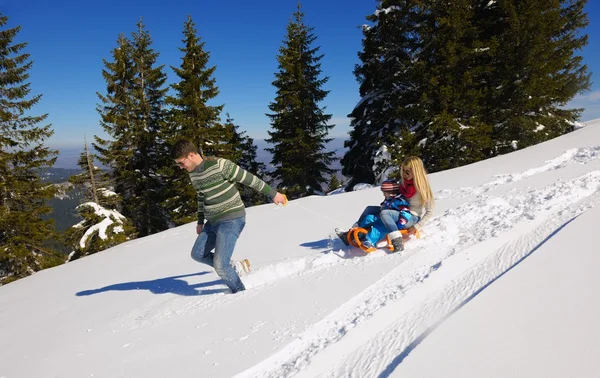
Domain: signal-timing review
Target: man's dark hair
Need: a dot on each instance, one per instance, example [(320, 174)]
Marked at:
[(182, 149)]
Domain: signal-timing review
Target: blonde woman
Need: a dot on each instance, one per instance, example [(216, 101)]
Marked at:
[(416, 189)]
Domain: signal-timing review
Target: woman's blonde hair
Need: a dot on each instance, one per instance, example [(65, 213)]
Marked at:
[(419, 178)]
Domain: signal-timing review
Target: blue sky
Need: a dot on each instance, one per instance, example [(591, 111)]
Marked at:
[(69, 39)]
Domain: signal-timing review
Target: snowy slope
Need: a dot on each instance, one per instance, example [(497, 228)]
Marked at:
[(313, 308), (548, 303)]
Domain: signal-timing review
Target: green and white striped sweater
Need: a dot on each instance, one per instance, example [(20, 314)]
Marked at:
[(218, 198)]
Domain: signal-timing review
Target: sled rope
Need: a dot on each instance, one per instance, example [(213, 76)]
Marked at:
[(320, 214)]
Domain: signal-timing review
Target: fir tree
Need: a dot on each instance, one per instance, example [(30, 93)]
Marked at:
[(97, 184), (454, 68), (334, 183), (464, 80), (245, 156), (23, 196), (133, 115), (117, 113), (192, 118), (537, 70), (245, 150), (299, 125), (101, 228), (389, 110)]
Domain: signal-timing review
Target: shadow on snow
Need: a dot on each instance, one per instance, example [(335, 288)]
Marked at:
[(173, 285)]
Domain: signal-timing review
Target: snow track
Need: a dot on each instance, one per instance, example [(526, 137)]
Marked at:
[(378, 327)]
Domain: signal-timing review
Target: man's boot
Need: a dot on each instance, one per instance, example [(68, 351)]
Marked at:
[(242, 267)]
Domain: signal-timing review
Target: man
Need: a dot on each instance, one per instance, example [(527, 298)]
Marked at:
[(219, 202)]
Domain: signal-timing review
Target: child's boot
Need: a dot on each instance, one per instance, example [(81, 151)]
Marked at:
[(342, 235), (396, 240)]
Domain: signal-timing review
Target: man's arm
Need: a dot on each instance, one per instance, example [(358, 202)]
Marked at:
[(234, 173)]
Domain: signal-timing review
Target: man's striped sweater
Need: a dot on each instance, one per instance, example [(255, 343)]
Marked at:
[(218, 198)]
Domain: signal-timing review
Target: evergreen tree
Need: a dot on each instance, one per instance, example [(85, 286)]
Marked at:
[(334, 183), (464, 80), (245, 150), (100, 229), (23, 196), (245, 156), (192, 118), (102, 226), (299, 125), (97, 184), (537, 70), (117, 113), (454, 68), (389, 109), (133, 115)]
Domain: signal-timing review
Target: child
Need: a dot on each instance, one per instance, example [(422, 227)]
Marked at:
[(398, 207)]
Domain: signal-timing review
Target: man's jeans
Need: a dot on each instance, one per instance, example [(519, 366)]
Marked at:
[(221, 237)]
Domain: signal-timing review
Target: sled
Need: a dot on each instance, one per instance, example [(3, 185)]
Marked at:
[(353, 237)]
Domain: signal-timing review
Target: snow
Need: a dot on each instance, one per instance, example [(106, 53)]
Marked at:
[(502, 283), (363, 186), (110, 216), (382, 164), (556, 291), (387, 10), (107, 193)]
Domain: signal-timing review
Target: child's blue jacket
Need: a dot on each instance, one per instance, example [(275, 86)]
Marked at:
[(376, 227)]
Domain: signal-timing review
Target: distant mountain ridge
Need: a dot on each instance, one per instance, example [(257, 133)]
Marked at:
[(64, 205), (68, 156)]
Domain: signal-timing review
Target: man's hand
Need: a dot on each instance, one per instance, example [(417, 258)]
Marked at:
[(280, 199), (199, 228)]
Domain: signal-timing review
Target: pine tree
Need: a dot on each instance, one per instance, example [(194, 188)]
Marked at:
[(89, 178), (96, 183), (334, 183), (454, 67), (133, 115), (23, 196), (101, 228), (537, 70), (299, 125), (464, 80), (192, 118), (245, 156), (389, 109), (496, 76), (117, 113)]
